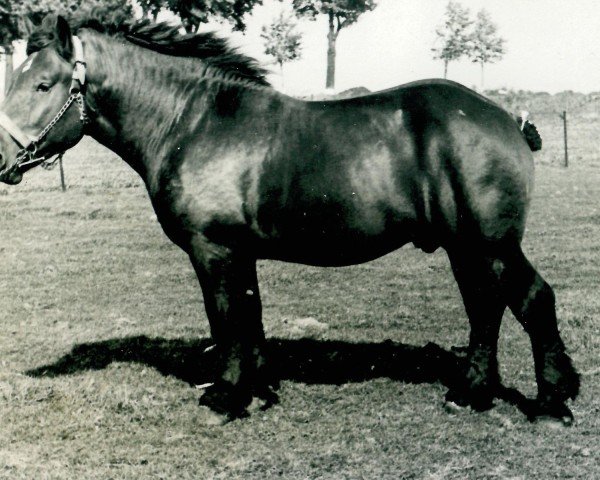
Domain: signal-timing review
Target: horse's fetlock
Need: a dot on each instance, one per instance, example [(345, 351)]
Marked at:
[(560, 380)]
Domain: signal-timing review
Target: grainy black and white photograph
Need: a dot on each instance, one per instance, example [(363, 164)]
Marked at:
[(300, 239)]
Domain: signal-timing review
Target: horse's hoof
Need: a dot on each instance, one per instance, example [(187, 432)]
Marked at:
[(228, 402), (557, 414), (567, 420), (554, 422), (454, 408), (554, 413), (479, 400), (225, 400)]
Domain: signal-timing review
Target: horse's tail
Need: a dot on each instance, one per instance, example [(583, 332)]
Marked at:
[(530, 133)]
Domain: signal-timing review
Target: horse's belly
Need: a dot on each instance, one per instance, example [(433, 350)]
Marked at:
[(336, 245)]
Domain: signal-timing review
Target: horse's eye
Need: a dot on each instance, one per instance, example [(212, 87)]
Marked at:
[(43, 87)]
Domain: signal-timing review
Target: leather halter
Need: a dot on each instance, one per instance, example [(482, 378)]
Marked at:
[(29, 145)]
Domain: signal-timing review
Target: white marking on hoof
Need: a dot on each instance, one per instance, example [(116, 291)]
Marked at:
[(460, 112), (209, 348), (204, 386), (554, 423), (454, 408)]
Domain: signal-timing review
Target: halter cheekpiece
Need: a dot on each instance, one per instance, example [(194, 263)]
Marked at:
[(26, 156)]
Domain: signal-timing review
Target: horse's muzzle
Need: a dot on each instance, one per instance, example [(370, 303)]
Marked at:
[(11, 178), (11, 175)]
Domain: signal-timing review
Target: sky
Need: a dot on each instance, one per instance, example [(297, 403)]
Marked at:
[(551, 45)]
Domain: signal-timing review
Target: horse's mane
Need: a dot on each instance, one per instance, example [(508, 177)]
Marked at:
[(164, 38)]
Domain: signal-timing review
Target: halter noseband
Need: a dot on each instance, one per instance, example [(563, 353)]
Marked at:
[(29, 145)]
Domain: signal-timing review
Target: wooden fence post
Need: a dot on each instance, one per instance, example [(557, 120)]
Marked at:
[(62, 174), (564, 119)]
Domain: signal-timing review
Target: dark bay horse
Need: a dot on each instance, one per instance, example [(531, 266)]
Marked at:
[(238, 172)]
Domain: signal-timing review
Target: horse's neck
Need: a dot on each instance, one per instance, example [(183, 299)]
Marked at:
[(138, 102)]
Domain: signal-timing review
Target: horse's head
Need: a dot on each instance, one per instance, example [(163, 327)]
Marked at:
[(43, 113)]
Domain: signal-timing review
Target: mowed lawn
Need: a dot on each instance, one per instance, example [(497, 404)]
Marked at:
[(103, 332)]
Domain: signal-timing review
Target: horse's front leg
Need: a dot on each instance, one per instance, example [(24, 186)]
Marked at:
[(233, 307)]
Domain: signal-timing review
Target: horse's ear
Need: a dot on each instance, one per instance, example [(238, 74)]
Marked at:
[(64, 42), (26, 25), (58, 29)]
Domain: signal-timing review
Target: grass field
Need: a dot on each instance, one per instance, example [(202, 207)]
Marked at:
[(103, 331)]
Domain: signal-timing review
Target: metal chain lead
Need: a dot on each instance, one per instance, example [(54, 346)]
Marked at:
[(27, 156), (73, 97)]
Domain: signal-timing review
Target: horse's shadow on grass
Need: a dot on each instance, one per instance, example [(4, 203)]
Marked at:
[(305, 360)]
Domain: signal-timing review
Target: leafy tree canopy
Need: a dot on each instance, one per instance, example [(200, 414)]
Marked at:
[(345, 12), (486, 45), (195, 12), (340, 14), (9, 29), (18, 16), (453, 36), (281, 40)]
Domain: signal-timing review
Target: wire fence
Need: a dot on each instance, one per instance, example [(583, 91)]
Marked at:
[(568, 106), (592, 98)]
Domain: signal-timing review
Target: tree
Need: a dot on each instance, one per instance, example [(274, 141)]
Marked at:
[(340, 14), (282, 41), (151, 8), (453, 35), (195, 12), (9, 32), (486, 45)]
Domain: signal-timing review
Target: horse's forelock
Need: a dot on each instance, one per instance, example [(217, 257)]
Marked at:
[(38, 40)]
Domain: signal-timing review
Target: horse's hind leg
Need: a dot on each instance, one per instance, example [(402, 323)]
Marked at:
[(482, 297), (531, 300), (489, 279), (233, 307)]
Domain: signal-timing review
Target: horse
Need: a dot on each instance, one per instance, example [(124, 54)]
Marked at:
[(238, 172)]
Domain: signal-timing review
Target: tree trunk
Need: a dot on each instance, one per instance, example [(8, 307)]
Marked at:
[(445, 69), (8, 65), (190, 26), (331, 39), (281, 73)]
